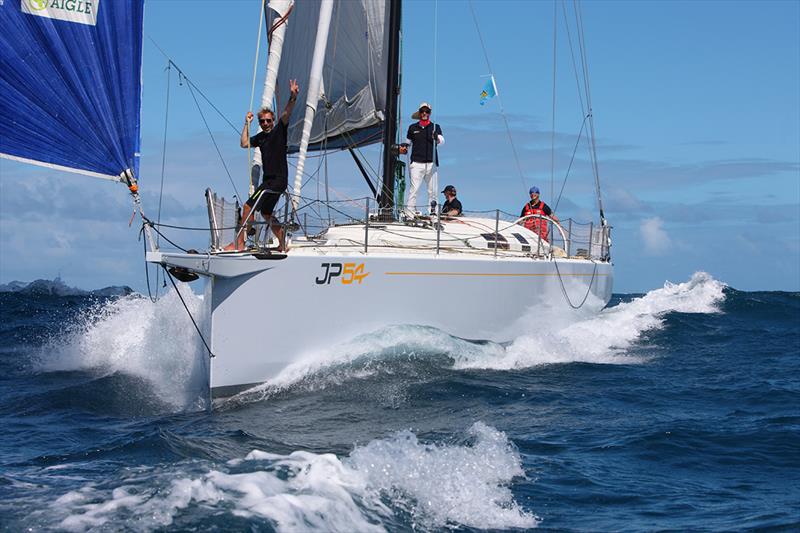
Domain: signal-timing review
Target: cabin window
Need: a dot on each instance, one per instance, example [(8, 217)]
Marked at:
[(491, 238)]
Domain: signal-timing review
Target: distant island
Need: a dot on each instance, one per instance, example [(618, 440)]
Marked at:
[(56, 287)]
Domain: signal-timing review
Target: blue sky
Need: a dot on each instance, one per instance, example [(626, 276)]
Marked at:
[(696, 106)]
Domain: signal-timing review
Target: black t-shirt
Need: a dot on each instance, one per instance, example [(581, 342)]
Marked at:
[(423, 147), (541, 204), (449, 205), (273, 151)]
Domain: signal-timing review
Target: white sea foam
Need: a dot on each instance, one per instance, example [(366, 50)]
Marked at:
[(136, 337), (158, 343), (434, 485), (605, 338), (602, 339)]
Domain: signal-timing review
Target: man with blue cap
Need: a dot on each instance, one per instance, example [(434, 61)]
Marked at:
[(537, 224)]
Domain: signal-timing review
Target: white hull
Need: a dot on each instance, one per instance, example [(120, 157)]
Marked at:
[(266, 314)]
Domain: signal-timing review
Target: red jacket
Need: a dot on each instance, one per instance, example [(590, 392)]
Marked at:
[(536, 224)]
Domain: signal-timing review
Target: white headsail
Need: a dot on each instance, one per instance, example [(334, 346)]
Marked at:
[(281, 9), (313, 93)]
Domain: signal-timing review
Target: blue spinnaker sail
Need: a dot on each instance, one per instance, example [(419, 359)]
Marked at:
[(70, 83)]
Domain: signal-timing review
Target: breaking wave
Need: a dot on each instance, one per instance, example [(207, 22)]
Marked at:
[(603, 339), (135, 337), (156, 342), (433, 485)]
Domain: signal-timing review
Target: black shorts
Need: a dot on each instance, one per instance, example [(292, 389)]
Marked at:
[(266, 197)]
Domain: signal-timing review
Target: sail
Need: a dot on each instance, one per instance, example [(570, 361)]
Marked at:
[(353, 78), (70, 84)]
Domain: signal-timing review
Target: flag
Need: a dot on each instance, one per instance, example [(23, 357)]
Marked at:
[(489, 90)]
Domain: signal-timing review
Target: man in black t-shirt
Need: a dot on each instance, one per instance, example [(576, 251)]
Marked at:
[(271, 140), (452, 206)]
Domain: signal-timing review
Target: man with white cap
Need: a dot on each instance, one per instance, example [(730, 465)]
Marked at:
[(424, 137)]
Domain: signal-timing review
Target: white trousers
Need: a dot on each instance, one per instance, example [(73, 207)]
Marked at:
[(419, 173)]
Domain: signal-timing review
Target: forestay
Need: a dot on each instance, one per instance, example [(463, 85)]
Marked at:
[(70, 84), (354, 75)]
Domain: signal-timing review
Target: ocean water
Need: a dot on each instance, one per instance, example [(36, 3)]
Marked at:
[(677, 409)]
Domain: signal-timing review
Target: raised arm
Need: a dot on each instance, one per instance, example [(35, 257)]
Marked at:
[(244, 142), (287, 111)]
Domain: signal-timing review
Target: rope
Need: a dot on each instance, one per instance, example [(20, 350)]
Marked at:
[(163, 166), (564, 290), (187, 228), (279, 22), (253, 87), (196, 327), (147, 269), (499, 100)]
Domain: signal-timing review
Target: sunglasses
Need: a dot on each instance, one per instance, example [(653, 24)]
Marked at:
[(426, 111), (267, 120)]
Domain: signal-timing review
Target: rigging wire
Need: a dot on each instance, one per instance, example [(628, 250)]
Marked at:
[(196, 327), (435, 55), (435, 177), (592, 136), (150, 296), (213, 140), (189, 81), (499, 100), (574, 63), (255, 59), (582, 78), (249, 154), (571, 161), (153, 227), (553, 111), (163, 166)]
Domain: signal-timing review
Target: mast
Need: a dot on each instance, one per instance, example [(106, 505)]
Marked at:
[(386, 199)]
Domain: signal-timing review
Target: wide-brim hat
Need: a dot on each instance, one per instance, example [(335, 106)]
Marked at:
[(415, 116)]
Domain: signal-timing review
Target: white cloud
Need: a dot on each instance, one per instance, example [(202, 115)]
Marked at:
[(656, 240)]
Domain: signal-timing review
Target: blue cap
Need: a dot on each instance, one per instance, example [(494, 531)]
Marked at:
[(534, 189)]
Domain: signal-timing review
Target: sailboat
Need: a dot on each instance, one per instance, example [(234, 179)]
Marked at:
[(371, 265)]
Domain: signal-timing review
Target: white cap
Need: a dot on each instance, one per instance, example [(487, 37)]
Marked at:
[(415, 116)]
